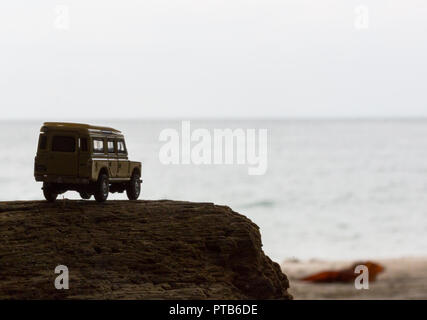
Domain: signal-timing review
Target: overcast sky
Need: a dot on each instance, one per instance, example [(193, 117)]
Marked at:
[(212, 58)]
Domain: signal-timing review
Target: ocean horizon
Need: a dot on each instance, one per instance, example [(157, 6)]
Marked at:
[(334, 188)]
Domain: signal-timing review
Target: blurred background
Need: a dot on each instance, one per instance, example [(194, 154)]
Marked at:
[(334, 189)]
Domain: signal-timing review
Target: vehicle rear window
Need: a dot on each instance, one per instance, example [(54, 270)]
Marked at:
[(63, 144), (42, 142), (98, 145)]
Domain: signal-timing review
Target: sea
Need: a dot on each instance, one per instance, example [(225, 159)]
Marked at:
[(332, 189)]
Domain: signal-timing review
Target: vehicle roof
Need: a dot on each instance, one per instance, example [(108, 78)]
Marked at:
[(79, 127)]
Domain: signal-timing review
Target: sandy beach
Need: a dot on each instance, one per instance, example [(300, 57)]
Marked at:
[(404, 278)]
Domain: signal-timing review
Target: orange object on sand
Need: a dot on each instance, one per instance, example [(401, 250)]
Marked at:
[(345, 275)]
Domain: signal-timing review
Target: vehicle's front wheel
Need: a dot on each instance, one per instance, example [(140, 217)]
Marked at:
[(134, 187), (102, 188), (49, 192), (85, 195)]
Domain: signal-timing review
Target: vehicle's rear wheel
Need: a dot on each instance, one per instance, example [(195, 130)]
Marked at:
[(133, 188), (102, 188), (85, 195), (49, 192)]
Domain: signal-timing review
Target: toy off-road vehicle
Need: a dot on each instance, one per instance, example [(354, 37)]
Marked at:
[(88, 159)]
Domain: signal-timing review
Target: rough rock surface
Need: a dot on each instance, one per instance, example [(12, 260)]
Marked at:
[(134, 250)]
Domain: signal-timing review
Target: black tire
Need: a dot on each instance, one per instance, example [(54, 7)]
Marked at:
[(133, 188), (102, 188), (49, 192), (84, 195)]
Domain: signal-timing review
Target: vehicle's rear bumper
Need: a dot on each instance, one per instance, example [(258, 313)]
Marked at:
[(61, 179)]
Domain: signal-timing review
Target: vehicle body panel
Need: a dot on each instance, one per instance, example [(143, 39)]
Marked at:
[(84, 164)]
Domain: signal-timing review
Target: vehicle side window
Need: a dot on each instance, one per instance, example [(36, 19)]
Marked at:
[(63, 144), (98, 145), (121, 148), (83, 144), (42, 142), (111, 147)]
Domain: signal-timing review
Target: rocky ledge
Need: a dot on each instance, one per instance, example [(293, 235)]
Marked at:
[(133, 250)]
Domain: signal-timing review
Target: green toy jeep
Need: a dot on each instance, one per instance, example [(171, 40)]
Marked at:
[(88, 159)]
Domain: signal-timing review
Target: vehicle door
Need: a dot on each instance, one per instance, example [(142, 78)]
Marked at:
[(122, 159), (112, 157), (63, 155)]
